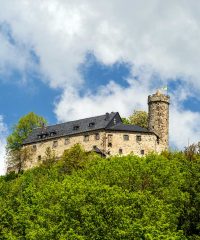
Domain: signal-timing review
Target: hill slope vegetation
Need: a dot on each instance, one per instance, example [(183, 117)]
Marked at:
[(85, 197)]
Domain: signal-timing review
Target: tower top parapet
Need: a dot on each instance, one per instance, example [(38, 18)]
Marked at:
[(159, 97)]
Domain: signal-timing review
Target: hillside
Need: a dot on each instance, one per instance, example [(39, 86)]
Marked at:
[(85, 197)]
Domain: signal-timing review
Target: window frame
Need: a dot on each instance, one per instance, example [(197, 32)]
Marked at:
[(126, 136), (95, 136), (34, 147), (110, 138), (55, 144), (67, 141), (76, 127), (91, 124), (142, 152), (86, 138), (138, 138)]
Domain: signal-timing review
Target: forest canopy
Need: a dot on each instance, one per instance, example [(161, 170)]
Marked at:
[(83, 196)]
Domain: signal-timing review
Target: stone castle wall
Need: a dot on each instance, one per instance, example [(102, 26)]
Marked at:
[(111, 143)]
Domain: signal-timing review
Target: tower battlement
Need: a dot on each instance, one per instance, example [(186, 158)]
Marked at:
[(158, 97)]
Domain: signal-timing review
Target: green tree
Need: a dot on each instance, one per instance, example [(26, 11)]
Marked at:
[(22, 129), (139, 118), (17, 159), (49, 158), (16, 156)]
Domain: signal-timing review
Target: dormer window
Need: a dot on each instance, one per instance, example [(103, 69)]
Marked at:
[(91, 124), (76, 127), (52, 134), (39, 136), (44, 135)]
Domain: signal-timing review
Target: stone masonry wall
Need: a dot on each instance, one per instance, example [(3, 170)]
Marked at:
[(147, 144), (61, 146), (159, 117)]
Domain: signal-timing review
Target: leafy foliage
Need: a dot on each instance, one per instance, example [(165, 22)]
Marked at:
[(17, 159), (83, 197), (22, 129), (16, 156), (139, 118)]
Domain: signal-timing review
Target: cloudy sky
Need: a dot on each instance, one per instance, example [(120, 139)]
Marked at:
[(69, 59)]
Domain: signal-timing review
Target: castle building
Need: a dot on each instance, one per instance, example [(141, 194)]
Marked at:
[(105, 134)]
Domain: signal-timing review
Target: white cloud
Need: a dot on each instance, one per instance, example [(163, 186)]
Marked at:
[(154, 36), (185, 127), (3, 132)]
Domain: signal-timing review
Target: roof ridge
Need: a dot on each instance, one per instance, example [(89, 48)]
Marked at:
[(115, 113), (77, 120)]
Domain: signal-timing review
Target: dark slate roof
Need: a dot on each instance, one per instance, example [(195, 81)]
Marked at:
[(109, 121), (65, 129), (128, 128)]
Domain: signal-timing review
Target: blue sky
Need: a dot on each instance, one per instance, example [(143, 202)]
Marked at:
[(66, 60)]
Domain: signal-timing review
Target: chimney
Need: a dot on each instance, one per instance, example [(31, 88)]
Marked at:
[(107, 116)]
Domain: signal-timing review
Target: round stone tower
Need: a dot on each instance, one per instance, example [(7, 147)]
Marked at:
[(158, 117)]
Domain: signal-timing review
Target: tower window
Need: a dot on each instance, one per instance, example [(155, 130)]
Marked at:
[(39, 158), (109, 144), (142, 152), (55, 144), (138, 138), (126, 137), (158, 140)]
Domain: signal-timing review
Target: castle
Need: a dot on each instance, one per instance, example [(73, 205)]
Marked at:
[(105, 134)]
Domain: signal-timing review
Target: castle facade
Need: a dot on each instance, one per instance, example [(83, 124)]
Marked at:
[(105, 134)]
